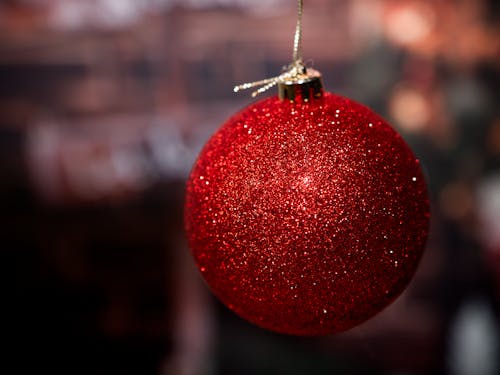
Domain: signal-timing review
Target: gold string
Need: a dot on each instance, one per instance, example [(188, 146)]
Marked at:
[(294, 70), (297, 40)]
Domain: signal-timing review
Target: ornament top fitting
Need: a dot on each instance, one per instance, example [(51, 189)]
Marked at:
[(300, 82), (296, 82)]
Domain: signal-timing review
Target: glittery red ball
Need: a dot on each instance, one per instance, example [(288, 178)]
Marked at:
[(307, 218)]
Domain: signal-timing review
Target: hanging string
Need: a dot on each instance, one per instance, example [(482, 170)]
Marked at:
[(297, 40), (294, 70)]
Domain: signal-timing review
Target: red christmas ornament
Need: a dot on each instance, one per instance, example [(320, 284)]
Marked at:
[(307, 218), (306, 214)]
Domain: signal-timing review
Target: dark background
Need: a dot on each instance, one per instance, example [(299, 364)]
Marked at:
[(104, 105)]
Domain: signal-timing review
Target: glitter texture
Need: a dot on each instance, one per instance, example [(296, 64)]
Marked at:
[(307, 218)]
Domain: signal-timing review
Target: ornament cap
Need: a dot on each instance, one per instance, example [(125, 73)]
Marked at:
[(306, 85)]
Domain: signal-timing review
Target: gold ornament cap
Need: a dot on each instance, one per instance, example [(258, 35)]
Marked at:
[(305, 84), (297, 82)]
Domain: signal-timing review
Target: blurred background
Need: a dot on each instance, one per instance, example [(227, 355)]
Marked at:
[(104, 105)]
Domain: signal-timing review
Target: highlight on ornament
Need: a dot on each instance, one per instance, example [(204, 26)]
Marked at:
[(306, 212)]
